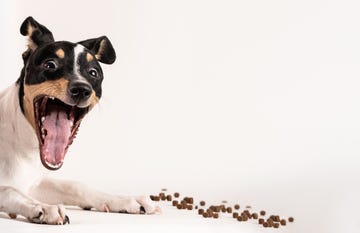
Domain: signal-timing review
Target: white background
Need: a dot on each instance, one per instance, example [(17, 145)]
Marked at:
[(255, 102)]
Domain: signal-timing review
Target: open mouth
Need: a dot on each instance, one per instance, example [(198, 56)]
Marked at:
[(56, 126)]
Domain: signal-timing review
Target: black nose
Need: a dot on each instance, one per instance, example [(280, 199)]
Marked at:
[(79, 91)]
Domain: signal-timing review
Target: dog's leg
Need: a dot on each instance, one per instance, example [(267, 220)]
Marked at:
[(53, 191), (14, 202)]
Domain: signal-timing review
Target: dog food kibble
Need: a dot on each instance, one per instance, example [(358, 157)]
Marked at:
[(213, 211), (155, 198), (205, 215)]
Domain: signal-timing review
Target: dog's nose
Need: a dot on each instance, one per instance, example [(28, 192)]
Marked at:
[(79, 91)]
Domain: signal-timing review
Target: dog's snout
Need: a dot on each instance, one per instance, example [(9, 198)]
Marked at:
[(79, 91)]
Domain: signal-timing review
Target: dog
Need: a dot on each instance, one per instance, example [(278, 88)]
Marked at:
[(40, 114)]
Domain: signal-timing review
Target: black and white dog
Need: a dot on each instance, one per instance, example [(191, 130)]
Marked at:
[(40, 114)]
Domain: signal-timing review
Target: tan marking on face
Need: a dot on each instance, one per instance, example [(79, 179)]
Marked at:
[(60, 53), (57, 89), (89, 57), (93, 100)]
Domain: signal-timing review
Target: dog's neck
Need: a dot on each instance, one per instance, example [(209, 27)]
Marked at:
[(17, 137), (20, 165)]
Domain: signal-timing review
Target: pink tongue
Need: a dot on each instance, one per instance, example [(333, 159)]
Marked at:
[(58, 130)]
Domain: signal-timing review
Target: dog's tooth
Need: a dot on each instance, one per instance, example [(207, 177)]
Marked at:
[(52, 97), (42, 119)]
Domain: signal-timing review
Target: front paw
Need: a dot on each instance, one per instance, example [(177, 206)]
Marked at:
[(131, 205), (48, 214)]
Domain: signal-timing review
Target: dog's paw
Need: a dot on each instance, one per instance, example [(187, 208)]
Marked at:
[(130, 205), (48, 214)]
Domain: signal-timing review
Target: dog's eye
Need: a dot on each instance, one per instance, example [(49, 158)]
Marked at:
[(50, 65), (93, 72)]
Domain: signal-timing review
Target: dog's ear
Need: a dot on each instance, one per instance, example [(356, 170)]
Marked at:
[(102, 48), (36, 33)]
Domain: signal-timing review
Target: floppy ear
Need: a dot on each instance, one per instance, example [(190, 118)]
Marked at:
[(102, 48), (37, 33)]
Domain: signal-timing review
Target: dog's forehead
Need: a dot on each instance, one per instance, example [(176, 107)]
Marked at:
[(62, 50)]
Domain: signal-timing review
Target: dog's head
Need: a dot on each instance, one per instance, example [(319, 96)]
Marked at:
[(59, 84)]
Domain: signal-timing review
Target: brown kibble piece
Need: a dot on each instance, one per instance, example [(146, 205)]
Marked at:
[(239, 218), (255, 216), (229, 210), (235, 215), (291, 219), (276, 225), (152, 197), (261, 220), (262, 213), (265, 224), (205, 215), (179, 206), (245, 217), (216, 215), (176, 195), (283, 222), (189, 207), (175, 202), (201, 211), (202, 203), (156, 198), (169, 197), (12, 216), (196, 207), (237, 206)]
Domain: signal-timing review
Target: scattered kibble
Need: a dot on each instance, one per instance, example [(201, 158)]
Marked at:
[(215, 211)]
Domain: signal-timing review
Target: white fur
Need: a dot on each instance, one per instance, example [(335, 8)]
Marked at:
[(78, 49), (24, 189)]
